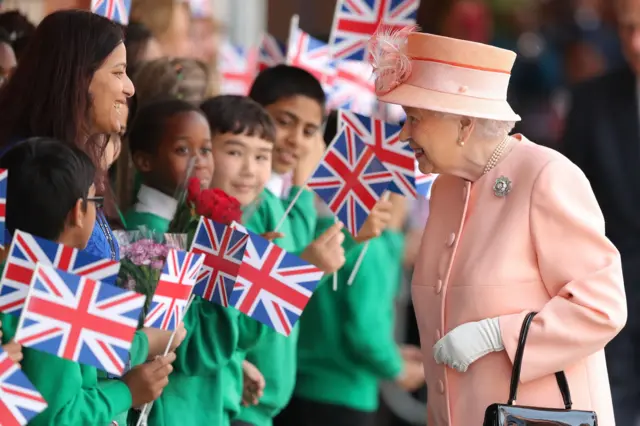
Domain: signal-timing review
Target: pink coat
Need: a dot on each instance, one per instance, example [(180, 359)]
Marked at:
[(540, 248)]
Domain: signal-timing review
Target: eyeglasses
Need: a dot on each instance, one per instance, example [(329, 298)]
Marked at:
[(99, 201)]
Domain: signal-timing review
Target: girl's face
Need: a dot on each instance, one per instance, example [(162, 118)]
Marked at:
[(109, 90), (186, 135)]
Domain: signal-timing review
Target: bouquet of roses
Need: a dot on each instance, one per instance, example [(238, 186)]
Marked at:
[(212, 203), (142, 258)]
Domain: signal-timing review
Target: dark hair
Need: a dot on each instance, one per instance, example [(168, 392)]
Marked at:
[(48, 95), (4, 37), (19, 29), (285, 81), (331, 127), (136, 38), (149, 124), (46, 179), (238, 115)]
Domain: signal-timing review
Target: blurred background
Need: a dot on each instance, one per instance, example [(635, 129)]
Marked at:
[(559, 43)]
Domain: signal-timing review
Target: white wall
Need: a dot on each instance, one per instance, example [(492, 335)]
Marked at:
[(245, 20)]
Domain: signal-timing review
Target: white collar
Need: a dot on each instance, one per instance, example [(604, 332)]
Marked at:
[(276, 184), (152, 201)]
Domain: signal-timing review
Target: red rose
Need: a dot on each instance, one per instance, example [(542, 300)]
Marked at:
[(218, 206), (193, 190)]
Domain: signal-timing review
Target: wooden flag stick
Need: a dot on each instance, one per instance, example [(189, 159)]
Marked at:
[(294, 26), (146, 409), (356, 267), (335, 274)]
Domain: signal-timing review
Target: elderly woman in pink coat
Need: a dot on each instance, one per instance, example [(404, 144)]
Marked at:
[(514, 227)]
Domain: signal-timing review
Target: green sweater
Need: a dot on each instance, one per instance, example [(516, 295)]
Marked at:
[(346, 343), (275, 354), (194, 395), (152, 222), (72, 391)]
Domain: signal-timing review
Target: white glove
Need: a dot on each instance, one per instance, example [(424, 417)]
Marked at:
[(467, 343)]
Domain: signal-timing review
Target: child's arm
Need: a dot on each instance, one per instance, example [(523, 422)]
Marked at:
[(211, 339)]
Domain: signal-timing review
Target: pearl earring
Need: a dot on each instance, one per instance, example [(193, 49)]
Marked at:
[(460, 142)]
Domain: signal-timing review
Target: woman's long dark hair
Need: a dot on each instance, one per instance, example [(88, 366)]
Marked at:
[(48, 95)]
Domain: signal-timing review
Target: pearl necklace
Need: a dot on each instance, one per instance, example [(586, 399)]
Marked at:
[(495, 156)]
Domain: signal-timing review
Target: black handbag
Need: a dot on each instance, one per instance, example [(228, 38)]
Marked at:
[(511, 415)]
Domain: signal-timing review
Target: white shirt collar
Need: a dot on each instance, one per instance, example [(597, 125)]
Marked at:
[(152, 201), (276, 184)]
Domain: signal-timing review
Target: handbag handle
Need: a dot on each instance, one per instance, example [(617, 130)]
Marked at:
[(517, 366)]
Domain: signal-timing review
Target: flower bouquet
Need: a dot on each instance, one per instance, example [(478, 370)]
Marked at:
[(142, 257)]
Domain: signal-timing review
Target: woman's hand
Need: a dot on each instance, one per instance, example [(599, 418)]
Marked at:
[(14, 350), (467, 343)]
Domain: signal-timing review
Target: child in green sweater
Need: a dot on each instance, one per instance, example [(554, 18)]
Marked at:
[(164, 136), (201, 385), (52, 177), (347, 345)]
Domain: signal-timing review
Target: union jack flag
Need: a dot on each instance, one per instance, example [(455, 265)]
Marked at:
[(19, 399), (27, 250), (353, 88), (311, 55), (355, 21), (173, 290), (116, 10), (223, 247), (350, 180), (272, 52), (3, 205), (238, 68), (273, 286), (424, 183), (79, 319), (384, 139)]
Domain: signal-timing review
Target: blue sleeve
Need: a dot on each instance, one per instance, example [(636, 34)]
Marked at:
[(99, 244)]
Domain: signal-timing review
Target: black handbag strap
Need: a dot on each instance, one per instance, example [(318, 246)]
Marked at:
[(517, 366)]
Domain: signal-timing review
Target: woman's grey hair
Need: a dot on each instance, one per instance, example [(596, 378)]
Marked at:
[(485, 128)]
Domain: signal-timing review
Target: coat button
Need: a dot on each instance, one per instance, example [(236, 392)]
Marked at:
[(440, 386), (451, 239), (439, 287)]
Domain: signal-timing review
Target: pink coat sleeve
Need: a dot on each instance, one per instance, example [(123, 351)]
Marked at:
[(581, 270)]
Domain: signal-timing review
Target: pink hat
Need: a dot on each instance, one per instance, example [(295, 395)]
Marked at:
[(442, 74)]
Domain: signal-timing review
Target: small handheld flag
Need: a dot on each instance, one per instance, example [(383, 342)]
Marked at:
[(116, 10), (27, 250), (79, 319), (272, 52), (355, 21), (19, 400), (174, 289), (238, 68), (223, 248), (273, 286), (350, 180), (384, 139)]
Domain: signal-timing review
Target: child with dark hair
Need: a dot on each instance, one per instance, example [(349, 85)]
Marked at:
[(51, 194), (163, 139), (296, 102)]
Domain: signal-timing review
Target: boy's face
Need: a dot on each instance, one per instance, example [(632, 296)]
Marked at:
[(298, 119), (243, 165), (185, 135)]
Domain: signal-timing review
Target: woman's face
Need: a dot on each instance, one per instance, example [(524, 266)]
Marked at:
[(433, 138), (109, 89)]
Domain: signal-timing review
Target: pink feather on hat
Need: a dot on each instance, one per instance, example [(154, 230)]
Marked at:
[(391, 65)]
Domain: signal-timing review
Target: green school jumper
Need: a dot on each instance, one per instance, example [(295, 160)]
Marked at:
[(153, 210), (275, 354), (346, 343), (72, 391)]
